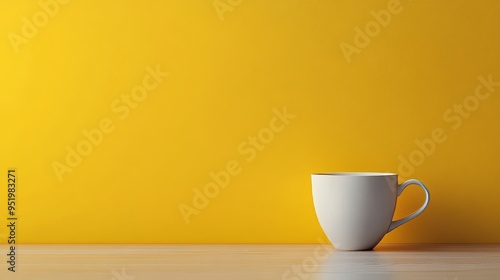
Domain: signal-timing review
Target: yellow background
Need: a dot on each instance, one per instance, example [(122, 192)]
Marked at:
[(226, 77)]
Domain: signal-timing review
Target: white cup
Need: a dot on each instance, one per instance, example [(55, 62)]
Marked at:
[(355, 209)]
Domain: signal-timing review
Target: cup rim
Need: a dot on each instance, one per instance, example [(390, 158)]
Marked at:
[(355, 174)]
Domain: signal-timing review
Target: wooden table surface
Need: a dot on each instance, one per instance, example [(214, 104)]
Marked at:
[(294, 262)]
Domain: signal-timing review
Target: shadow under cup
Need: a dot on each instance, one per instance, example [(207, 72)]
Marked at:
[(355, 209)]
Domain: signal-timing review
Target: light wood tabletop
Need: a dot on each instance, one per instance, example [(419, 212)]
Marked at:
[(271, 261)]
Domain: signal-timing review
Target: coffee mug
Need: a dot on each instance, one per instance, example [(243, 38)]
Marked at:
[(355, 209)]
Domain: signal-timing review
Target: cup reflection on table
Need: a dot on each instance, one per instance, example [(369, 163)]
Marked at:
[(351, 265)]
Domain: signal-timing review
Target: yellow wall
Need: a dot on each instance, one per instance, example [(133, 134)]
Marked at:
[(351, 103)]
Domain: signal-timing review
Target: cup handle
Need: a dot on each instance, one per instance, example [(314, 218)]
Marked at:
[(395, 224)]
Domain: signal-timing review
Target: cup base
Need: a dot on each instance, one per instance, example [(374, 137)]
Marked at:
[(353, 249)]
